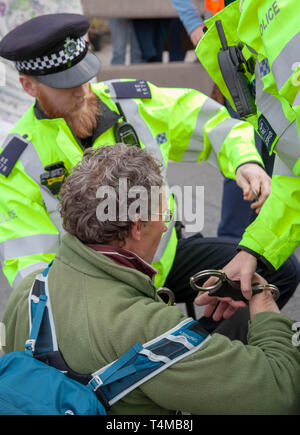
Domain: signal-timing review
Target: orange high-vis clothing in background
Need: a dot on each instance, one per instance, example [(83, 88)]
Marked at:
[(214, 5)]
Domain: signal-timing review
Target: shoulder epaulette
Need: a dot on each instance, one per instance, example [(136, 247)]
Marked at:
[(11, 153), (131, 89)]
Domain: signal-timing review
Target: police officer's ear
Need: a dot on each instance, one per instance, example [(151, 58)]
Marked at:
[(29, 84)]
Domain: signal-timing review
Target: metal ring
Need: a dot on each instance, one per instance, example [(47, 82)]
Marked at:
[(207, 273), (274, 290), (167, 291)]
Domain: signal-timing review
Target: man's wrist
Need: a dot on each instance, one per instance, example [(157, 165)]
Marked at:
[(262, 302), (262, 262), (256, 162)]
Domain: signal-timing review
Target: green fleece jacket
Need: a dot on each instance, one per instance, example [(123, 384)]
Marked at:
[(101, 309)]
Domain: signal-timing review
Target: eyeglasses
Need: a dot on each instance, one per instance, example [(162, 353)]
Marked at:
[(167, 215)]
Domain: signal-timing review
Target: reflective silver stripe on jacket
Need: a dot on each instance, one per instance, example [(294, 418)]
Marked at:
[(288, 145), (270, 106), (130, 109), (297, 100), (282, 66), (288, 151), (40, 243), (209, 109), (34, 168), (30, 245), (217, 137), (280, 168)]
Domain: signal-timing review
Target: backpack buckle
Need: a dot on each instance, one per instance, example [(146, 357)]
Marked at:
[(30, 345), (95, 383)]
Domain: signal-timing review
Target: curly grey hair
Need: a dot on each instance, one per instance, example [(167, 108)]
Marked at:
[(105, 166)]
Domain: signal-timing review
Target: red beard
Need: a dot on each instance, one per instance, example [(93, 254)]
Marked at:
[(83, 121)]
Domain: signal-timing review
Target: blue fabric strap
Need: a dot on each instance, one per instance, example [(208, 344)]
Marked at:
[(116, 367), (141, 363), (46, 271), (36, 324), (136, 366), (132, 352), (40, 340)]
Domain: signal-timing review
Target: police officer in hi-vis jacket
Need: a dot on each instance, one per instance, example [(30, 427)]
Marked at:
[(265, 35)]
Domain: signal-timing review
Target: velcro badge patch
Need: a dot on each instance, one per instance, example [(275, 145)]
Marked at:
[(11, 154), (132, 89), (266, 131)]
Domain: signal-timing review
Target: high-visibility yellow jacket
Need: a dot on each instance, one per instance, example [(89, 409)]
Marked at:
[(270, 33), (176, 124)]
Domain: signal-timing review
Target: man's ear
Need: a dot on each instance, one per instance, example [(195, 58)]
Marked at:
[(29, 85), (136, 231)]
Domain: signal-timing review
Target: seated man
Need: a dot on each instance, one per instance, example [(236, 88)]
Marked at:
[(104, 301), (70, 115)]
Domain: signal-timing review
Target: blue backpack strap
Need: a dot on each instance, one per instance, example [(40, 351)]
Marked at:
[(142, 362), (139, 364), (36, 324), (42, 331)]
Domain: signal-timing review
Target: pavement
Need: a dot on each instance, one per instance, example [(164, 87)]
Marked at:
[(186, 174)]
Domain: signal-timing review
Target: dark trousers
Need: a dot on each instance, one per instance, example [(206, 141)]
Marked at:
[(235, 328), (236, 213), (198, 253)]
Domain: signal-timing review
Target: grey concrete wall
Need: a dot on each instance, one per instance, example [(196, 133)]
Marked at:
[(173, 74), (133, 8)]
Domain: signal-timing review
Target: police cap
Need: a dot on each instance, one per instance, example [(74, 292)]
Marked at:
[(52, 48)]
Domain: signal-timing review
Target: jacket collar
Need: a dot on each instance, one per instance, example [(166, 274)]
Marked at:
[(125, 258), (84, 260), (105, 120)]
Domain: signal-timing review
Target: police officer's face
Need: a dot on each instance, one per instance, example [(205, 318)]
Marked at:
[(64, 101), (53, 100), (78, 106)]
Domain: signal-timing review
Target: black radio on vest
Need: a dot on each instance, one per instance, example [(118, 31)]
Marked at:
[(232, 65), (124, 132)]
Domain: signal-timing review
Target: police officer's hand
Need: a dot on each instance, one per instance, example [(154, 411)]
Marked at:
[(241, 268), (197, 34), (255, 184), (217, 307)]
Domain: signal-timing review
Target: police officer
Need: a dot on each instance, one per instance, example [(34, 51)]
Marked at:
[(269, 33), (69, 115)]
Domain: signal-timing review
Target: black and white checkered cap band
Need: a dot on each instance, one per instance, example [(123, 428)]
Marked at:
[(55, 62)]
